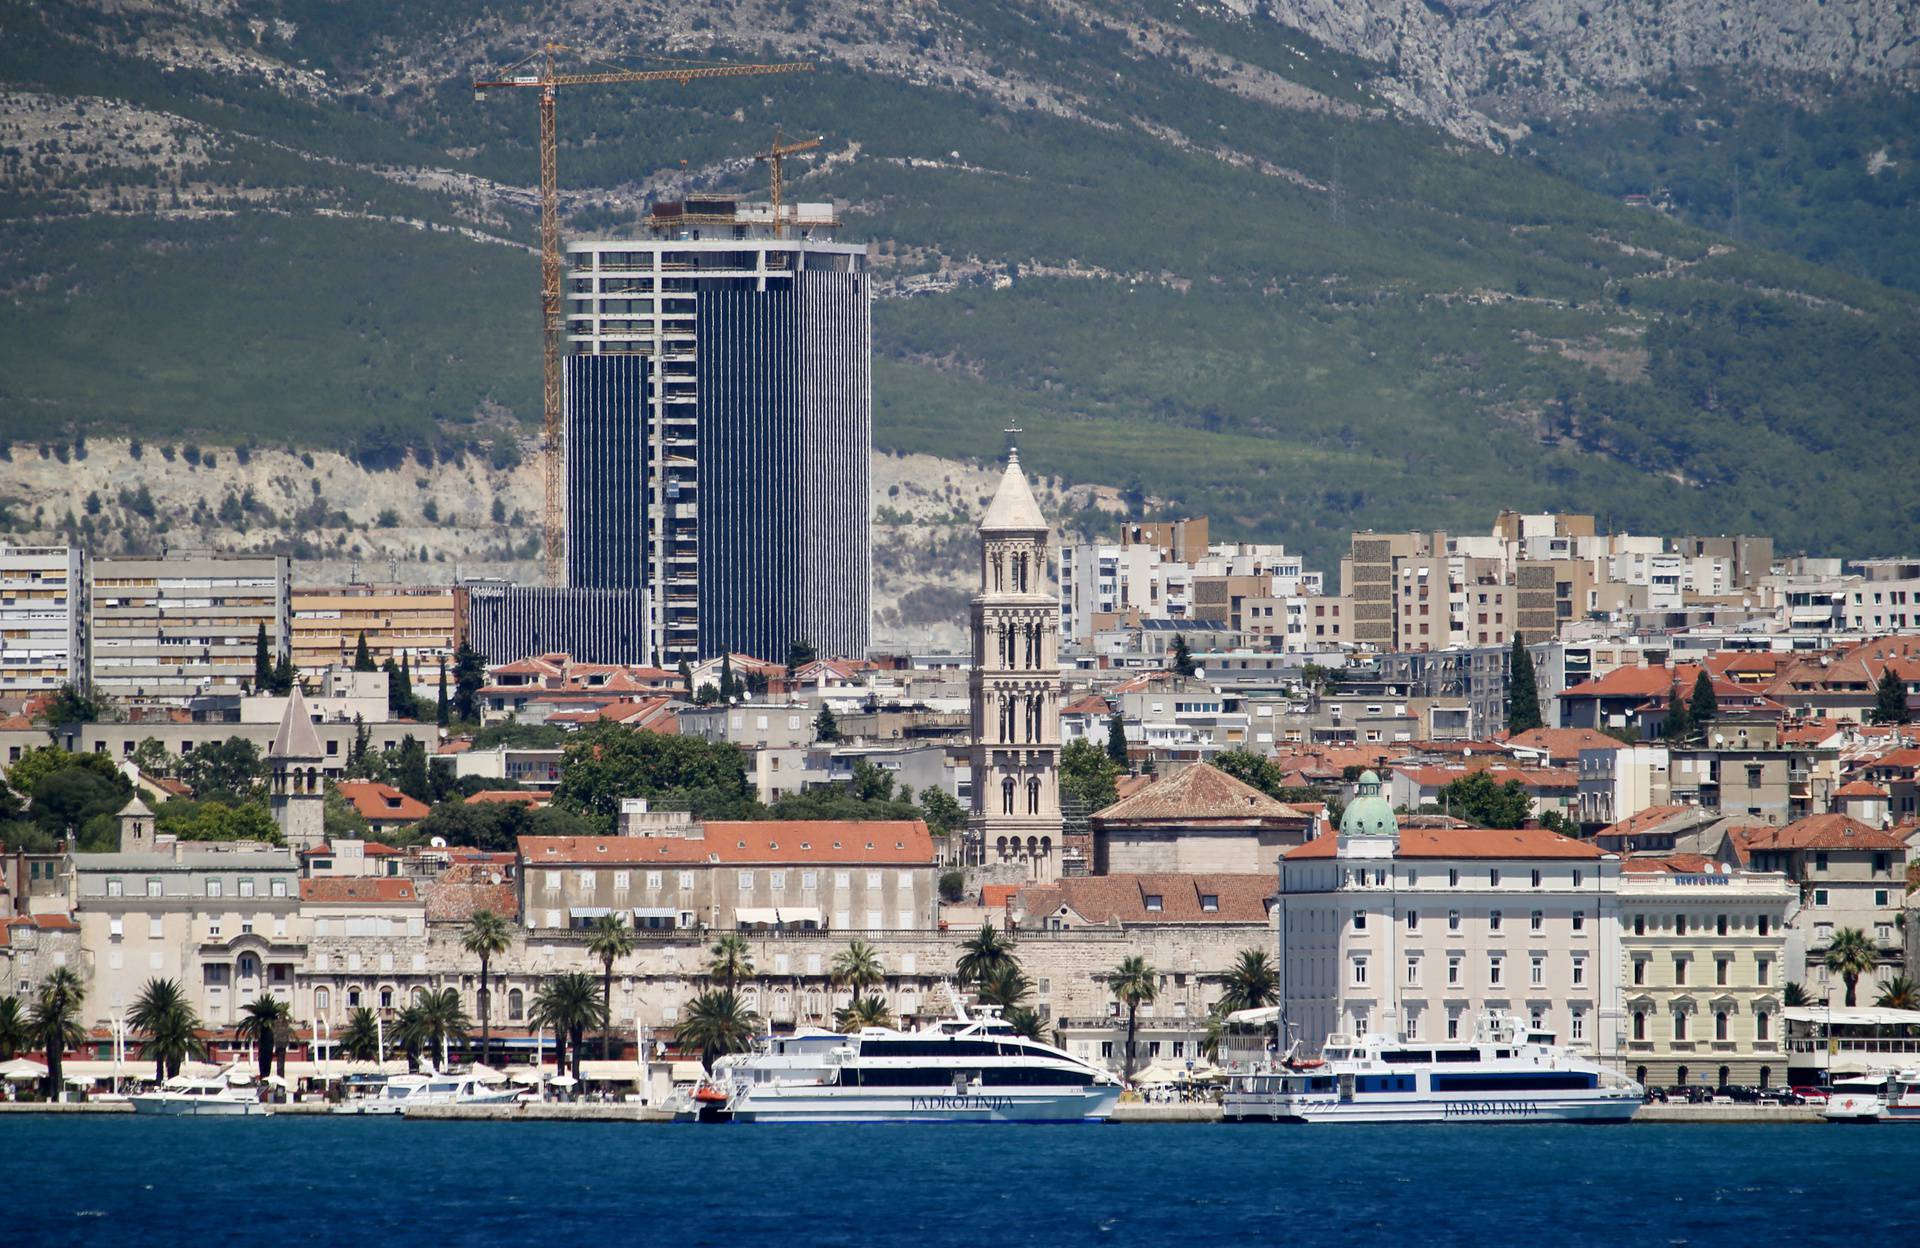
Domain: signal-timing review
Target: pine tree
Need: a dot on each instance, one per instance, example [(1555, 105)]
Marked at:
[(1183, 663), (826, 726), (1703, 706), (362, 658), (1117, 739), (1890, 699), (262, 663), (440, 711), (1523, 690), (283, 676), (1677, 727)]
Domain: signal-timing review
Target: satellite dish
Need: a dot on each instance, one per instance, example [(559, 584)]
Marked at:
[(438, 842)]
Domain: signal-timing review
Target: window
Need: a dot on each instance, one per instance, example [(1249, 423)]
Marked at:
[(1536, 877), (1359, 972), (1820, 860), (1579, 972), (553, 881), (1763, 971), (1359, 920), (214, 888), (322, 1000), (1720, 925), (1413, 920), (1537, 921), (777, 881), (1453, 1026), (1210, 902), (1819, 896), (1679, 1025), (516, 1004), (1765, 923), (686, 881), (1453, 969), (1762, 1025), (1453, 920), (246, 888), (1453, 879), (114, 888), (1493, 971), (156, 927), (1537, 972), (1639, 925), (1880, 897), (746, 881), (1679, 970), (1577, 876), (623, 880), (1639, 971), (1493, 878), (1154, 902), (586, 878), (1493, 920), (1578, 1029), (1413, 970), (1679, 925), (278, 888), (1721, 1031), (809, 880), (1639, 1026), (1721, 967)]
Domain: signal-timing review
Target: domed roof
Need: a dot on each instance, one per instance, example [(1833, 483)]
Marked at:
[(1369, 813), (1013, 509)]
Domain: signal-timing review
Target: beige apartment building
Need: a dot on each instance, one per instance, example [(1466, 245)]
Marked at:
[(1704, 949), (1848, 876), (163, 630), (423, 625), (725, 876), (43, 619)]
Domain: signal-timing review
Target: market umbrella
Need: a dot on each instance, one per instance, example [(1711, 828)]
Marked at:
[(528, 1077), (563, 1081), (486, 1074), (20, 1069)]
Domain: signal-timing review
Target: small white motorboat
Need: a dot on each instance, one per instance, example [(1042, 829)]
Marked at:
[(213, 1095)]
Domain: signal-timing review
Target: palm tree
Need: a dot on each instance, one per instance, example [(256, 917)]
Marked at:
[(982, 954), (13, 1028), (1898, 993), (731, 960), (360, 1039), (1134, 984), (485, 935), (864, 1012), (717, 1022), (1251, 984), (1006, 986), (570, 1004), (170, 1024), (1025, 1021), (444, 1016), (1851, 955), (857, 968), (54, 1022), (1795, 993), (410, 1033), (262, 1022), (610, 939)]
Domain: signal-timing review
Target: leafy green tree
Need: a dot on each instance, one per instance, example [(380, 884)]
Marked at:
[(606, 763), (362, 657), (941, 810), (165, 1017), (717, 1022), (729, 960), (409, 1031), (151, 757), (76, 801), (284, 676), (13, 1028), (1087, 774), (496, 826), (54, 1022), (799, 654), (1117, 740), (1850, 954), (444, 1017), (826, 727), (570, 1004), (857, 968), (609, 939), (1025, 1021), (953, 886), (1890, 699), (486, 935), (410, 770), (264, 1022), (1133, 984), (1181, 659), (729, 687), (360, 1038), (983, 954), (469, 677), (1251, 983), (1794, 994), (1703, 707), (1250, 768), (193, 820), (1523, 689), (230, 769), (25, 773), (1477, 798), (70, 705), (686, 680)]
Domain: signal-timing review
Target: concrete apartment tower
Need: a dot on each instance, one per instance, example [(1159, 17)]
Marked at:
[(299, 787), (1014, 830), (718, 428)]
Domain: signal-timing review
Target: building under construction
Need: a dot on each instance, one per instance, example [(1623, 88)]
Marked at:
[(718, 425)]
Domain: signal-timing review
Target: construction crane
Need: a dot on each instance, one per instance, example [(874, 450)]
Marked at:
[(772, 157), (537, 72)]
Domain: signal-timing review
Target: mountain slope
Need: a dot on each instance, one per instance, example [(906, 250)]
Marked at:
[(1194, 255)]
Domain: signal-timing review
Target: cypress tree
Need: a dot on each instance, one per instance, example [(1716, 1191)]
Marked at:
[(1677, 726), (440, 715), (362, 658), (262, 663), (1117, 740), (469, 675), (1523, 690), (1703, 706), (1183, 663), (727, 686), (283, 675), (686, 679), (1890, 699)]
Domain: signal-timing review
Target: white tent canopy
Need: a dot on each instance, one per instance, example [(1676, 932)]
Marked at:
[(21, 1069)]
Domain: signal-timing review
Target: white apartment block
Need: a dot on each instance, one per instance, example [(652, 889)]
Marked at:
[(167, 629), (43, 619)]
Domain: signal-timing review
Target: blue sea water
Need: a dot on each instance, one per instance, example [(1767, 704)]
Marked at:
[(124, 1181)]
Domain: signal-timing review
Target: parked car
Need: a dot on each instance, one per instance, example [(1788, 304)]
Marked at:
[(1809, 1095)]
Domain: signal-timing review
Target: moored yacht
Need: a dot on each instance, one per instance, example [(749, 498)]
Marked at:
[(1877, 1097), (404, 1092), (972, 1067), (211, 1095), (1504, 1074)]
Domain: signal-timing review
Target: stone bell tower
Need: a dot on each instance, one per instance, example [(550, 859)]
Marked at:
[(298, 786), (1014, 827)]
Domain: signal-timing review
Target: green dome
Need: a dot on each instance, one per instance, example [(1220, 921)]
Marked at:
[(1370, 813)]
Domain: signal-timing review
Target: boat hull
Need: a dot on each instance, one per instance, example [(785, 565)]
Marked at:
[(1254, 1108), (774, 1103), (198, 1107)]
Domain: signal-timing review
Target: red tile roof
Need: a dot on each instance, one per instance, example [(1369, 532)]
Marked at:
[(1649, 819), (1860, 788), (507, 796), (339, 889), (1111, 899), (1529, 777), (382, 803), (369, 849), (1201, 793), (996, 896), (1669, 864), (1562, 745), (798, 841), (464, 888), (1466, 843), (1819, 832)]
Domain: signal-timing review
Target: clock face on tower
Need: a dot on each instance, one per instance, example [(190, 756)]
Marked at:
[(1015, 687)]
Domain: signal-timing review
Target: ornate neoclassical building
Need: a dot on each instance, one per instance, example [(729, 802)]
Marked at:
[(1015, 822)]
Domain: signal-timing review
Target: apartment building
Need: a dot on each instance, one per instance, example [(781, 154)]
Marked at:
[(1704, 949), (809, 876), (423, 625), (166, 629), (1417, 932), (43, 619), (1848, 876)]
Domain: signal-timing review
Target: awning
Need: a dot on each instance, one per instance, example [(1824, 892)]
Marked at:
[(610, 1072), (652, 912), (776, 916), (588, 912), (1266, 1016), (687, 1072)]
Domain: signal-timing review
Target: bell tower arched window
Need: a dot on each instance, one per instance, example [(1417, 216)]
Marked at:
[(1006, 796)]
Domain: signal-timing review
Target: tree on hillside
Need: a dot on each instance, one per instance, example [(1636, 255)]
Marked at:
[(231, 768), (1703, 706), (1523, 690), (606, 763), (1117, 740), (1476, 798), (1181, 659), (1890, 700), (410, 770)]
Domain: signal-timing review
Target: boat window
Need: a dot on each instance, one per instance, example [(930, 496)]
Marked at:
[(1515, 1081), (1406, 1055), (1457, 1055)]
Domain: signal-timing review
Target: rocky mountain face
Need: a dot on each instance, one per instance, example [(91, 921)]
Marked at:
[(1480, 69)]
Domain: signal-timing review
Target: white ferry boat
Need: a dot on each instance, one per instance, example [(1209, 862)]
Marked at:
[(211, 1095), (1505, 1074), (969, 1068), (1876, 1097), (403, 1092)]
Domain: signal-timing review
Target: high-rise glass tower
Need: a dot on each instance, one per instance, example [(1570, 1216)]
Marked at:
[(718, 427)]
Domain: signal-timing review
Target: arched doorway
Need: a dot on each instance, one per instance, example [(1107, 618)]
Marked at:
[(1640, 1075), (246, 973), (1680, 1076), (1726, 1072), (1766, 1076)]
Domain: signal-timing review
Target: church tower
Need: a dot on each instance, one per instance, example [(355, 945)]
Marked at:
[(298, 794), (1014, 828)]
